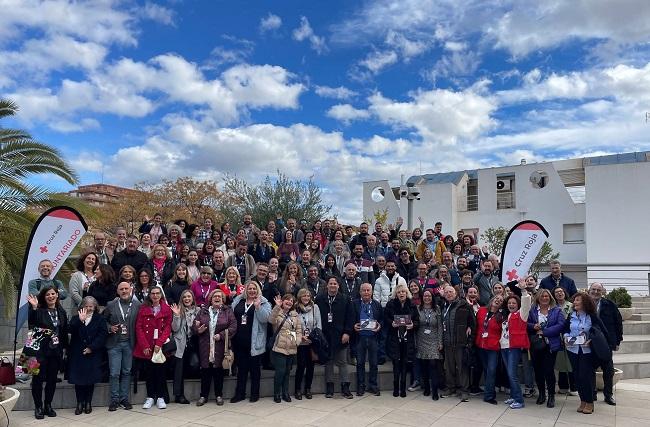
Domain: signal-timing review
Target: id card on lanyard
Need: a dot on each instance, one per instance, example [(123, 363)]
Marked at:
[(244, 317)]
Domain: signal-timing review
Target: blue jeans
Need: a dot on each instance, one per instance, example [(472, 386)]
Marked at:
[(511, 358), (489, 359), (120, 359), (367, 345)]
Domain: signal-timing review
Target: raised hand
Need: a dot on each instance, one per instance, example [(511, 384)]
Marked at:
[(33, 301), (258, 302), (521, 283), (292, 256), (176, 309), (278, 300), (83, 314)]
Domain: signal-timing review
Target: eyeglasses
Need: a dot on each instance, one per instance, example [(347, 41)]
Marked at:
[(206, 274)]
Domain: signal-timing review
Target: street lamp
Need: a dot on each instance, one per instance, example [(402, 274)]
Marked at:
[(410, 193)]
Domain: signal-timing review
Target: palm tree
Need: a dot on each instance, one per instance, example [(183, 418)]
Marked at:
[(21, 157)]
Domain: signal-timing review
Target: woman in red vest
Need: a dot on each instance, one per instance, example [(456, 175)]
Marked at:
[(488, 322), (514, 340)]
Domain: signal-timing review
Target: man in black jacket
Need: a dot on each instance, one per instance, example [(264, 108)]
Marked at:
[(337, 319), (129, 256), (611, 317)]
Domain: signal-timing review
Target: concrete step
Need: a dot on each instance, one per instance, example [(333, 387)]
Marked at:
[(633, 365), (640, 316), (644, 304), (640, 299), (65, 394), (636, 327), (641, 310), (634, 344)]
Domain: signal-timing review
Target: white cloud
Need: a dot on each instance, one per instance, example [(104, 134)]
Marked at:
[(136, 89), (157, 13), (539, 25), (270, 22), (378, 60), (455, 46), (439, 115), (334, 92), (347, 113), (305, 32), (407, 48)]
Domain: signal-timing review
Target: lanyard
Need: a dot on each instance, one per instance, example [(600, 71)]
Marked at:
[(54, 316), (488, 315), (128, 310), (330, 300), (205, 293), (247, 307), (447, 310), (428, 315), (214, 317), (347, 284)]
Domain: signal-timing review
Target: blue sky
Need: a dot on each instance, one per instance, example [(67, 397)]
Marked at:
[(344, 91)]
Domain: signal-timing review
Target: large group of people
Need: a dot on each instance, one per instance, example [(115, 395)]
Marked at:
[(185, 301)]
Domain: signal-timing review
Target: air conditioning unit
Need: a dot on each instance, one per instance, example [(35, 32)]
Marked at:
[(503, 184)]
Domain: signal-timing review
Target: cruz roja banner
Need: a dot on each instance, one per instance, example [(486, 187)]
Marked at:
[(54, 235), (522, 244)]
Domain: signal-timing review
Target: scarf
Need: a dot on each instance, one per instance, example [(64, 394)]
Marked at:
[(214, 318), (159, 264)]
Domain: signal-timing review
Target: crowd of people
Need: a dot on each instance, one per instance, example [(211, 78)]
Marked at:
[(187, 301)]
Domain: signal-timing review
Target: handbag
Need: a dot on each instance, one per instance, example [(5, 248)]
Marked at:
[(228, 354), (169, 347), (158, 357), (538, 343), (270, 342), (7, 372), (35, 338)]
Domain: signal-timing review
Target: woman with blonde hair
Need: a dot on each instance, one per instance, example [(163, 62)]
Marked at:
[(401, 318), (161, 265), (310, 316), (288, 335), (232, 286), (183, 318), (292, 279), (545, 324)]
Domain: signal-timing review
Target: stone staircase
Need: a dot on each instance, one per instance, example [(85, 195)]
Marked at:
[(633, 357)]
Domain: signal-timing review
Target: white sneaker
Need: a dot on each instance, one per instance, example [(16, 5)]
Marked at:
[(148, 403), (160, 403)]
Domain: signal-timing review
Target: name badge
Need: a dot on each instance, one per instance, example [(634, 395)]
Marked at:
[(330, 318), (293, 335), (155, 334), (427, 331), (484, 335), (243, 320), (55, 340), (123, 329)]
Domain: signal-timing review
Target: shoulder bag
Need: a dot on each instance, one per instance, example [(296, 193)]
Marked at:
[(228, 354)]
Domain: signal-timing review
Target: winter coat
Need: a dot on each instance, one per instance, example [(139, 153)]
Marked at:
[(554, 326), (613, 322), (395, 335), (384, 287), (182, 331), (493, 329), (457, 317), (85, 369), (377, 313), (342, 320), (137, 260), (145, 325), (226, 320), (518, 326), (258, 331), (40, 318), (289, 337), (565, 283)]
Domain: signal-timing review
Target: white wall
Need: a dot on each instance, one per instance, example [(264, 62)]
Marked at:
[(389, 202)]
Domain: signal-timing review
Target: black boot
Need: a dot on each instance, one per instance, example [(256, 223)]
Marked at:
[(80, 408), (329, 390), (550, 403), (541, 398), (49, 411), (402, 388), (345, 390), (298, 394), (88, 408), (395, 388), (308, 393), (38, 413)]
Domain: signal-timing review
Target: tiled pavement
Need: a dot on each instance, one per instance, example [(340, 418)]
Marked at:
[(633, 397)]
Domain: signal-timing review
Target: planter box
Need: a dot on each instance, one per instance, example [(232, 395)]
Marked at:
[(11, 397), (618, 375), (626, 313)]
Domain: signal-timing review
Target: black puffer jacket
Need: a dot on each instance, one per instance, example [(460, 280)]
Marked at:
[(400, 335)]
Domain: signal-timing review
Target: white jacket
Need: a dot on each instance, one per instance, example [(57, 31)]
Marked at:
[(384, 287)]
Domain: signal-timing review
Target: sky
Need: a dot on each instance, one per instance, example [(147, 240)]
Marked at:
[(344, 91)]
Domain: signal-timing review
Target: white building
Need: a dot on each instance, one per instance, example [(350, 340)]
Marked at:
[(595, 209)]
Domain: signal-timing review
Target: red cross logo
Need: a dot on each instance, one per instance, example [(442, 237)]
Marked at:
[(512, 275), (43, 249)]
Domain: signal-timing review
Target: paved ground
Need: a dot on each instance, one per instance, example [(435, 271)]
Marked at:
[(633, 397)]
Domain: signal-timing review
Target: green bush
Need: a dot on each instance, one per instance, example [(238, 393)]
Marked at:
[(620, 297)]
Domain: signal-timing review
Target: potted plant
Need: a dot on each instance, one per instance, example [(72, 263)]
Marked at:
[(623, 301)]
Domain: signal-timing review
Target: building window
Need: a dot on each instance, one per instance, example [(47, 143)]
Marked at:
[(472, 194), (506, 191), (573, 233)]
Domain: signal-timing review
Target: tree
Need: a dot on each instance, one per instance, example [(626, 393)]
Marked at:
[(184, 198), (21, 157), (495, 237), (279, 196)]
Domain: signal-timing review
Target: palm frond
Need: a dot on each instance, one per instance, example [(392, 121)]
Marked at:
[(23, 157), (7, 108)]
